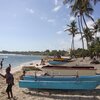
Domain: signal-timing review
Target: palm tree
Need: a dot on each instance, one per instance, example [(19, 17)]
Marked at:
[(96, 27), (71, 1), (81, 8), (80, 31), (95, 1), (88, 35), (73, 31)]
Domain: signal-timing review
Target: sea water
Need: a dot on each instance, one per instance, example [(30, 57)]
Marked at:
[(16, 59)]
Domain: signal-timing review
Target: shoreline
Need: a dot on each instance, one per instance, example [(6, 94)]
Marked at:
[(26, 94), (19, 68)]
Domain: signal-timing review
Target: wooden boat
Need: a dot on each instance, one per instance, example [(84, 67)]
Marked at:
[(62, 78), (30, 68), (63, 85), (53, 62), (58, 61), (58, 82), (69, 70)]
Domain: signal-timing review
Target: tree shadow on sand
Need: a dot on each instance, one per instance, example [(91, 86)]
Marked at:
[(66, 94)]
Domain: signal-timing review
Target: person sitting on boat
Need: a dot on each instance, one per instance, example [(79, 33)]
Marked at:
[(46, 74), (95, 61), (21, 77), (42, 62), (58, 56)]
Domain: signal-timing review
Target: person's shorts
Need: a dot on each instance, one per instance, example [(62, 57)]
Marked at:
[(9, 88)]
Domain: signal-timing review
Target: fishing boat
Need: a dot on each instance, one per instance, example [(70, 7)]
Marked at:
[(62, 85), (69, 70), (62, 78), (56, 82), (59, 60), (54, 62), (62, 82), (30, 68)]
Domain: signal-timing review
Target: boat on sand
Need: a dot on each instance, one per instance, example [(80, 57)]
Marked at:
[(63, 83), (69, 70)]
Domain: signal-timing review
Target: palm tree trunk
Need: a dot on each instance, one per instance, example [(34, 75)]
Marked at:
[(84, 21), (73, 45), (81, 36)]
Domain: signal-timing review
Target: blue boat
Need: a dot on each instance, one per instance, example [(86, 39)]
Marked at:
[(53, 62), (68, 82), (62, 78), (62, 85)]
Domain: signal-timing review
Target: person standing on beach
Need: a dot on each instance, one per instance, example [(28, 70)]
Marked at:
[(10, 82), (1, 63), (9, 66)]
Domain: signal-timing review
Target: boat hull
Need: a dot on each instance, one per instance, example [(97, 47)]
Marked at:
[(53, 62), (63, 85), (69, 70), (63, 78)]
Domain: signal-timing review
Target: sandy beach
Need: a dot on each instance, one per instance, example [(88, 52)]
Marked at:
[(26, 94)]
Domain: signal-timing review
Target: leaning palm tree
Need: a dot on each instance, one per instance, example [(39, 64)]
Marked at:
[(88, 35), (81, 8), (73, 31), (71, 1), (96, 27), (98, 24)]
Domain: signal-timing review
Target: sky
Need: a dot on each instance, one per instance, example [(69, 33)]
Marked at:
[(36, 25)]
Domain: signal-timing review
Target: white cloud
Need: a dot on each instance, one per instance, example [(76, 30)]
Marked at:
[(59, 32), (98, 34), (78, 41), (90, 23), (43, 18), (56, 2), (65, 44), (77, 37), (31, 11), (51, 20), (57, 8), (72, 18), (48, 20), (58, 5), (67, 6)]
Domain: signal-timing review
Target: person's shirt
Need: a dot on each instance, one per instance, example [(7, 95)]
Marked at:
[(9, 78)]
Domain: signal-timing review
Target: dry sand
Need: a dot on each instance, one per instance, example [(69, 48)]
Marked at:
[(25, 94)]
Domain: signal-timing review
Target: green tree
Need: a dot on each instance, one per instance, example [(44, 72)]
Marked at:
[(96, 27), (73, 31), (88, 35)]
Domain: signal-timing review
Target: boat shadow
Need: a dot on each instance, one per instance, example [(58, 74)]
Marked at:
[(65, 94)]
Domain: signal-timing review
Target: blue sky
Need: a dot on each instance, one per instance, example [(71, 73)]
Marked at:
[(36, 25)]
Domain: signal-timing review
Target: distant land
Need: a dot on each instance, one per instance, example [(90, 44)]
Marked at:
[(47, 52), (22, 52)]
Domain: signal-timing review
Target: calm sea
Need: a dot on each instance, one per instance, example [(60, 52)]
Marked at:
[(16, 60)]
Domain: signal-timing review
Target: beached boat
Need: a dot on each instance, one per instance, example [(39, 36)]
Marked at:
[(53, 62), (69, 70), (68, 82), (30, 68), (62, 78), (63, 85), (59, 61)]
